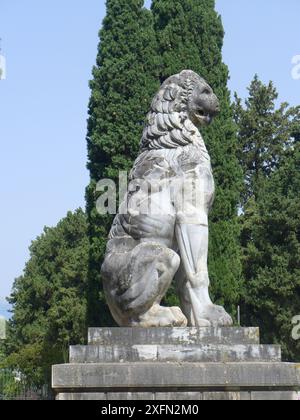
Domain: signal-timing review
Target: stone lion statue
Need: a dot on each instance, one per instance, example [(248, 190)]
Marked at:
[(161, 231)]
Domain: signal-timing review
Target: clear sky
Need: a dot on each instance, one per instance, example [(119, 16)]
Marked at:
[(50, 48)]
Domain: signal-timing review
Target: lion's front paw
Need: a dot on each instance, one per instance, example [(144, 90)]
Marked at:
[(159, 316), (215, 316), (180, 319)]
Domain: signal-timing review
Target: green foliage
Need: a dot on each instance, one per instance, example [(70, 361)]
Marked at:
[(272, 258), (9, 387), (264, 132), (190, 36), (270, 155), (124, 81), (49, 302)]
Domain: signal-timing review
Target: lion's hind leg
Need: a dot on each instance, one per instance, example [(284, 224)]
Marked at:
[(150, 270), (154, 267)]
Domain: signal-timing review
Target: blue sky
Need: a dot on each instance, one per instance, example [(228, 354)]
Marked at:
[(50, 48)]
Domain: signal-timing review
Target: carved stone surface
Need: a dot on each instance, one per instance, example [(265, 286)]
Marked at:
[(173, 336), (152, 376), (175, 364), (161, 231), (202, 353)]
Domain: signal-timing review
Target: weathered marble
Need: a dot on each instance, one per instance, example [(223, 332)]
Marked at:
[(176, 364), (204, 353), (173, 376), (161, 231), (173, 336), (183, 396)]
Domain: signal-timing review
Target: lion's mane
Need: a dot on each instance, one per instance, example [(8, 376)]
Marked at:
[(168, 125)]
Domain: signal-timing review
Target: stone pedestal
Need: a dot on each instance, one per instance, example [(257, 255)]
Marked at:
[(176, 364)]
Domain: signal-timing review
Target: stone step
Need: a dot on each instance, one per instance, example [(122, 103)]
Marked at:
[(171, 336), (181, 396), (203, 353), (170, 377)]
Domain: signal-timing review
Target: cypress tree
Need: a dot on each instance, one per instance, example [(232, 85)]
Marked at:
[(264, 132), (190, 36), (124, 82), (270, 157), (272, 258)]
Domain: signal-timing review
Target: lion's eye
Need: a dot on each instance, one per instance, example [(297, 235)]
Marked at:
[(206, 92)]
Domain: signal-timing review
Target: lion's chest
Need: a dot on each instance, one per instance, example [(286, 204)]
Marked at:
[(167, 181)]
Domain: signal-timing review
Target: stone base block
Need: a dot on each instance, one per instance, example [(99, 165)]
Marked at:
[(191, 376), (180, 353), (172, 336), (183, 396), (176, 364)]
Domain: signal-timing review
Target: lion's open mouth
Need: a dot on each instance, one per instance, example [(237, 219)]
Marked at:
[(202, 114), (203, 117)]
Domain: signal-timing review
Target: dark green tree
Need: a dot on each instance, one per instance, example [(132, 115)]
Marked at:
[(270, 156), (272, 257), (49, 301), (190, 36), (124, 81), (264, 132)]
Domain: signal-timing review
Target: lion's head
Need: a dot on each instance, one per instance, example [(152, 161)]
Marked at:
[(184, 103)]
